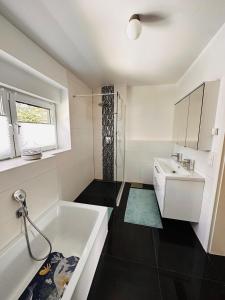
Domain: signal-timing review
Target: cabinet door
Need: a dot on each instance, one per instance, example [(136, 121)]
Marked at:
[(175, 124), (210, 99), (194, 117), (182, 116), (159, 186)]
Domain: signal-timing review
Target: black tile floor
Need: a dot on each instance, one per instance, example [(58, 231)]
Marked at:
[(143, 263), (99, 192)]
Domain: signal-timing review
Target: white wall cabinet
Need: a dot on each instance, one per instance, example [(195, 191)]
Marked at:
[(195, 117), (181, 121), (208, 115)]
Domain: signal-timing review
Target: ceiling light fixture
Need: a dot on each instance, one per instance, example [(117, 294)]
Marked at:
[(134, 27)]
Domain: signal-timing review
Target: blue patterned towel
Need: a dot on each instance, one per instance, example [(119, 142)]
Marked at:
[(51, 279)]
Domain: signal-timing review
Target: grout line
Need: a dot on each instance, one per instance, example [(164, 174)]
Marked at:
[(156, 261), (192, 276)]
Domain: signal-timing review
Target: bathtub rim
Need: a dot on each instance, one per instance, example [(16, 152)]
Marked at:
[(103, 213)]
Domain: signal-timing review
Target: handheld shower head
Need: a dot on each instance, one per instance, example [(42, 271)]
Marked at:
[(20, 197)]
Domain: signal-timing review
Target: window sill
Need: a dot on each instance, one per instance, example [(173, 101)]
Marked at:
[(13, 163)]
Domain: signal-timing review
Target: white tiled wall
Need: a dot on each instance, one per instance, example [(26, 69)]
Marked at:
[(149, 126), (140, 156), (40, 182), (75, 167)]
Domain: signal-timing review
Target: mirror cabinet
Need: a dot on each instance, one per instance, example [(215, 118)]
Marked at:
[(194, 117)]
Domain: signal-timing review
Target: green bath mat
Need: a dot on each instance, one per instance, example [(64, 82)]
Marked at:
[(142, 208), (110, 209)]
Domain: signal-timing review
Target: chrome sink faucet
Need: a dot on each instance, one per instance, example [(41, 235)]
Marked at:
[(188, 164), (178, 156)]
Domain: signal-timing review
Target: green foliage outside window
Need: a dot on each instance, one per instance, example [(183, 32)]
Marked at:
[(32, 114)]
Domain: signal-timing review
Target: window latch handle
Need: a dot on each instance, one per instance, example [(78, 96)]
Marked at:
[(18, 127)]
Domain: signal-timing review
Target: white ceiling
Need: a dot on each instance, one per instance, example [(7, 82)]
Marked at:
[(89, 36)]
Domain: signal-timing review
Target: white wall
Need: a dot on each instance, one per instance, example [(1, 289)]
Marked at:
[(76, 167), (14, 76), (63, 176), (210, 65), (16, 44), (149, 126)]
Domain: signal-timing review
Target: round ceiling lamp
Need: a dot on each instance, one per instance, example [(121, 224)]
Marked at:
[(134, 27)]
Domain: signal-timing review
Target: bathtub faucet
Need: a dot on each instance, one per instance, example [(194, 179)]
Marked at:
[(20, 197)]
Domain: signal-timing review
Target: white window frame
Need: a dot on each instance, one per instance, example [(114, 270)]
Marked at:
[(10, 98), (6, 107)]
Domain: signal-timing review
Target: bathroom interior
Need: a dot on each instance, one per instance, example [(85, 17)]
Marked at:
[(112, 150)]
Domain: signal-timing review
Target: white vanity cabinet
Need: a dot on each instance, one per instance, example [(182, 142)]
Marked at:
[(179, 192)]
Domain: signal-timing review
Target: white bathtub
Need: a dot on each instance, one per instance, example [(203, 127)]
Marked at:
[(74, 229)]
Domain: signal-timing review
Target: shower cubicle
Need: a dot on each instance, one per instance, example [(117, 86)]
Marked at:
[(109, 110)]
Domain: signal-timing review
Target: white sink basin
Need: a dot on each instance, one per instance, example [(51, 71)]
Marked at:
[(173, 170)]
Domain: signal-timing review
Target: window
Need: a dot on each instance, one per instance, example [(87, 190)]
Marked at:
[(25, 122)]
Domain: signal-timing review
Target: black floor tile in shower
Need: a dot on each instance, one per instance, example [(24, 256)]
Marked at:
[(100, 192), (148, 186), (123, 280), (175, 286)]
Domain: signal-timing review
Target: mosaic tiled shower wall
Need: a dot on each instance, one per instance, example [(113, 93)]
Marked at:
[(108, 133)]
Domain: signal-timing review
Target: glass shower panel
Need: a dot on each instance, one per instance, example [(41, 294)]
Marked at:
[(120, 140), (109, 143)]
